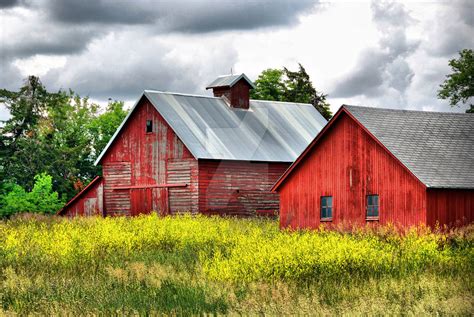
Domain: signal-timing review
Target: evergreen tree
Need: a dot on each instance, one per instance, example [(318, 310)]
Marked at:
[(290, 86)]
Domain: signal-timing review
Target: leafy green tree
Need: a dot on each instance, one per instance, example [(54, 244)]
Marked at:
[(41, 199), (459, 85), (58, 133), (103, 127), (290, 86), (269, 85)]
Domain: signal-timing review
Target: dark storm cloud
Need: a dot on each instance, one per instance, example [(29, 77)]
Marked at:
[(102, 11), (383, 67), (9, 3), (183, 16), (214, 15), (58, 42), (65, 27)]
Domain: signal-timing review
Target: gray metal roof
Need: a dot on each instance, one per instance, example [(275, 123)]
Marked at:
[(229, 81), (437, 147), (268, 131)]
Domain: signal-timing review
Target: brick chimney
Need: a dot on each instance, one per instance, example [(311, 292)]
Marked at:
[(234, 88)]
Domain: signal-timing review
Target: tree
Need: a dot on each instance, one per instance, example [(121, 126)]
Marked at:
[(290, 86), (269, 85), (459, 86), (41, 199), (103, 127), (59, 133), (299, 88)]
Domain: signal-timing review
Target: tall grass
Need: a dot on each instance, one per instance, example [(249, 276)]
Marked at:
[(195, 264)]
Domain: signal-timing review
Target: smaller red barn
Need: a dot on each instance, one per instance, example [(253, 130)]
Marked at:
[(385, 166)]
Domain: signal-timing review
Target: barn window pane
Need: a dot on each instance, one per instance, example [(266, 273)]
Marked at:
[(372, 206), (326, 207), (149, 126)]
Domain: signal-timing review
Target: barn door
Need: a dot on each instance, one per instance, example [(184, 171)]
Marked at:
[(141, 201), (179, 172), (117, 174)]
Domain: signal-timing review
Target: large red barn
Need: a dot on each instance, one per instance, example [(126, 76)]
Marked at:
[(178, 152), (385, 166)]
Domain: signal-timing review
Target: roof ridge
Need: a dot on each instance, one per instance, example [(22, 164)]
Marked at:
[(404, 110), (180, 94), (286, 102)]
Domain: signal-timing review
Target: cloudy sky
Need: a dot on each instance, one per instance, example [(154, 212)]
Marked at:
[(384, 54)]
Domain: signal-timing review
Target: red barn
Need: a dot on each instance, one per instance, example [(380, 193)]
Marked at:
[(177, 152), (385, 166)]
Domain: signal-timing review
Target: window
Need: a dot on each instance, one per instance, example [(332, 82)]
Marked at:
[(326, 207), (149, 126), (372, 206)]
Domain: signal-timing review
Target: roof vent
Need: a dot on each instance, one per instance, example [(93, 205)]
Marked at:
[(236, 88)]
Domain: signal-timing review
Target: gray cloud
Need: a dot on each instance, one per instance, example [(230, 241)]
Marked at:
[(103, 11), (110, 69), (384, 67), (215, 15), (9, 3), (453, 30), (68, 27), (60, 41), (186, 16)]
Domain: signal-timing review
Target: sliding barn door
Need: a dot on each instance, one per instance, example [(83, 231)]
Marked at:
[(179, 172), (117, 174)]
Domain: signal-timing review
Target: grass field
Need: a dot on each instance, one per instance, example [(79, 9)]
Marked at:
[(197, 265)]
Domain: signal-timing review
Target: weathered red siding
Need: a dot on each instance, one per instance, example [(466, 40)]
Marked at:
[(137, 177), (349, 164), (238, 187), (89, 202), (450, 207)]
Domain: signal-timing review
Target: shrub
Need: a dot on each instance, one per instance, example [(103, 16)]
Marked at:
[(40, 199)]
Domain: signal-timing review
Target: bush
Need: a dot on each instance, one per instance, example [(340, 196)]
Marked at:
[(40, 199)]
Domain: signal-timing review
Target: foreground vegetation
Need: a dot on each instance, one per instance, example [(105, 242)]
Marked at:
[(195, 265)]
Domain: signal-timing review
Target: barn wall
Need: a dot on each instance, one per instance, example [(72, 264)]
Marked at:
[(140, 159), (348, 164), (451, 207), (88, 203), (238, 187)]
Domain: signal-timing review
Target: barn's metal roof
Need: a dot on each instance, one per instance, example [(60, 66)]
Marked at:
[(229, 81), (437, 147), (268, 131)]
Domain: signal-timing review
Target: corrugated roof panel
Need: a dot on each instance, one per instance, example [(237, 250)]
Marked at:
[(268, 131), (437, 147)]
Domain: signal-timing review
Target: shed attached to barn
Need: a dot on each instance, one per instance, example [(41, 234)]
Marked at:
[(177, 152), (386, 166)]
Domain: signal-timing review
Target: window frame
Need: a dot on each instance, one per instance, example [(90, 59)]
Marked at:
[(326, 207), (149, 123), (375, 207)]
